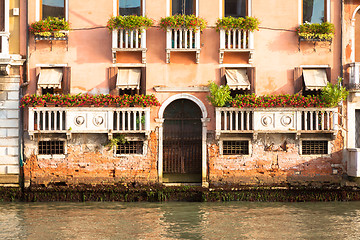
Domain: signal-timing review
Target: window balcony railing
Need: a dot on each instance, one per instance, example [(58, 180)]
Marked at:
[(236, 40), (129, 40), (89, 120), (279, 120), (354, 77), (182, 40)]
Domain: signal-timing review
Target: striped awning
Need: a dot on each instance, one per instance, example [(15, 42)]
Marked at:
[(50, 78), (128, 78), (237, 79), (314, 79)]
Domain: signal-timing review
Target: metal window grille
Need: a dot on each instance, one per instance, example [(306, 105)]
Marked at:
[(235, 147), (314, 147), (130, 147), (51, 147)]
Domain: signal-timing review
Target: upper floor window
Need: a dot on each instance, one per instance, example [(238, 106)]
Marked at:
[(53, 8), (235, 8), (130, 7), (314, 11), (2, 15), (186, 7)]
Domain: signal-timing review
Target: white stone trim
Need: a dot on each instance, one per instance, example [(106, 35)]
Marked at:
[(204, 121), (314, 66), (38, 7), (52, 65)]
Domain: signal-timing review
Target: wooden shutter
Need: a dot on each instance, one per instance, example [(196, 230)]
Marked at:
[(298, 80), (112, 80), (222, 76), (143, 81), (66, 82), (252, 78), (2, 15), (328, 73)]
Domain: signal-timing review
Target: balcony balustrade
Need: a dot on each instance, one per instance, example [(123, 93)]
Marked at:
[(280, 120), (354, 78), (129, 40), (89, 120), (182, 40), (236, 40)]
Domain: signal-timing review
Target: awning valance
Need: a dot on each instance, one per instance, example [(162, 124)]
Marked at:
[(128, 78), (50, 78), (237, 79), (314, 79)]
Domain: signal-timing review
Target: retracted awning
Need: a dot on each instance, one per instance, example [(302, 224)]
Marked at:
[(128, 78), (50, 78), (314, 79), (237, 79)]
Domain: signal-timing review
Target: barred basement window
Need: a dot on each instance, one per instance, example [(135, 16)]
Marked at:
[(130, 147), (314, 147), (51, 147), (235, 147)]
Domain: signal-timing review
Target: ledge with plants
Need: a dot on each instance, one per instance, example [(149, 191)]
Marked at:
[(130, 22), (86, 100), (331, 95), (229, 23), (190, 22), (316, 31), (51, 27)]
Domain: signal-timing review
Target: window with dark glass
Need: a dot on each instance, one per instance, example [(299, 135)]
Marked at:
[(130, 147), (53, 8), (186, 7), (51, 147), (235, 147), (314, 11), (235, 8), (314, 147), (130, 7)]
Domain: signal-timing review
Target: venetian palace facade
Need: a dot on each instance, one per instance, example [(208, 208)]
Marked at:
[(184, 139)]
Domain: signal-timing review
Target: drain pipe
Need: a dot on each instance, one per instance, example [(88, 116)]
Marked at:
[(342, 39)]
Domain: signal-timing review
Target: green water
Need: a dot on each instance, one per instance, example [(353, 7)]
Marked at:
[(234, 220)]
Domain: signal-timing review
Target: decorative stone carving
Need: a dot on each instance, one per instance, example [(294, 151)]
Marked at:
[(79, 120), (286, 120), (98, 120), (266, 121)]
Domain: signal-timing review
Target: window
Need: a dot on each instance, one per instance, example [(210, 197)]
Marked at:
[(314, 11), (235, 8), (235, 147), (130, 147), (310, 80), (53, 8), (2, 16), (314, 147), (51, 147), (53, 80), (130, 7), (124, 80), (186, 7), (240, 80)]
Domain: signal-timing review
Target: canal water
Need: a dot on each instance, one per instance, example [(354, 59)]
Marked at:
[(180, 220)]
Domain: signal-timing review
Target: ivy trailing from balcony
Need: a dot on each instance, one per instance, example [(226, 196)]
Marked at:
[(190, 22), (51, 26), (86, 100), (130, 22), (316, 31), (228, 23)]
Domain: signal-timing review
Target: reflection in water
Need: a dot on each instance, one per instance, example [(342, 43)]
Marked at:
[(235, 220)]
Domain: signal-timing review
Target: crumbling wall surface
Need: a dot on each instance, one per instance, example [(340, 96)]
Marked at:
[(89, 161), (275, 159)]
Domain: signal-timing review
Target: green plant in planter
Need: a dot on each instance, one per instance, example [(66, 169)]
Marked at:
[(130, 22), (183, 21), (219, 95), (332, 94), (229, 23), (321, 31), (50, 26), (114, 142)]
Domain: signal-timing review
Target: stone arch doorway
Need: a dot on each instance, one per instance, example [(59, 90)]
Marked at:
[(182, 142), (194, 102)]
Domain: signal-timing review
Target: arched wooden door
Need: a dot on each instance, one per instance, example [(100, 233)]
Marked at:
[(182, 150)]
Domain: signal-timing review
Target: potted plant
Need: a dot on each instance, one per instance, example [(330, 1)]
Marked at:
[(50, 27), (229, 23), (190, 22), (219, 95), (316, 31), (130, 22), (333, 94)]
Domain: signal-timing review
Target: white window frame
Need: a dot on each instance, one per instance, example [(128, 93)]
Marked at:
[(222, 5), (38, 13), (300, 11), (6, 33), (168, 8), (115, 7)]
